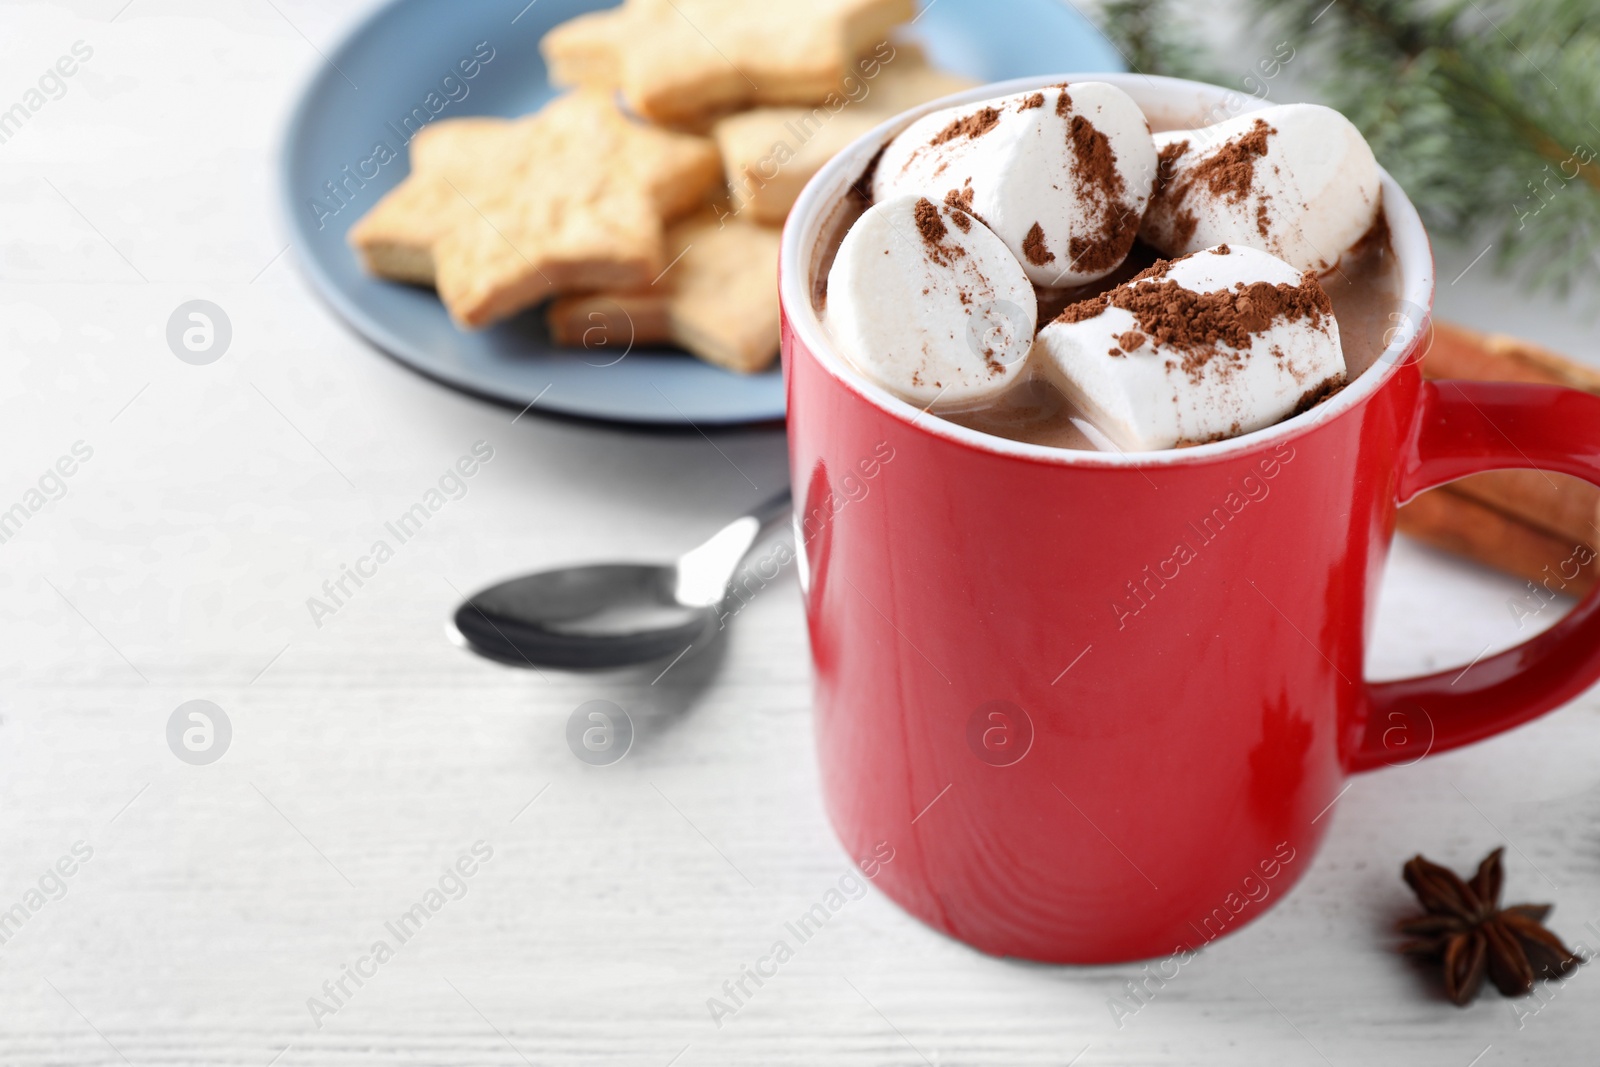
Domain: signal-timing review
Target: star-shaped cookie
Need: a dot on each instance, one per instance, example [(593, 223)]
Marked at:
[(501, 215), (680, 61), (719, 300), (770, 153), (396, 237)]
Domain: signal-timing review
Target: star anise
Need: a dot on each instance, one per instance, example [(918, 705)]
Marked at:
[(1467, 931)]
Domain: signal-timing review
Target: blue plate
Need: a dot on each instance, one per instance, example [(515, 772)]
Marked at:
[(346, 147)]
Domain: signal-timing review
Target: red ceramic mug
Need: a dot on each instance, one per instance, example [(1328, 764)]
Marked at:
[(1101, 705)]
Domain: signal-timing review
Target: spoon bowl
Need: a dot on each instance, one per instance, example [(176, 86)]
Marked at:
[(607, 615), (583, 618)]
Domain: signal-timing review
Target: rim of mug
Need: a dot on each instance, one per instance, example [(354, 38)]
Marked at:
[(1408, 238)]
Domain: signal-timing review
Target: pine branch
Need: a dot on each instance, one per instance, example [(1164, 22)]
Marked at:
[(1154, 39), (1486, 111), (1481, 109)]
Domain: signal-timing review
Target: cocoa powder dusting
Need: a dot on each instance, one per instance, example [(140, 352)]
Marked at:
[(1034, 101), (1231, 170), (1162, 267), (1063, 102), (959, 201), (1184, 223), (1167, 164), (975, 125), (1158, 269), (1033, 246), (1206, 327), (1093, 160), (1094, 165), (931, 225), (1085, 309), (1104, 252)]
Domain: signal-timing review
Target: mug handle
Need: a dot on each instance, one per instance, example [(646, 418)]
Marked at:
[(1467, 428)]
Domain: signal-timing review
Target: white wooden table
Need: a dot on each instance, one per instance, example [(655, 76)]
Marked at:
[(367, 754)]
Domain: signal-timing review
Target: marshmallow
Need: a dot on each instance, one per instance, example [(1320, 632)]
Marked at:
[(1211, 346), (1298, 181), (927, 302), (1062, 175)]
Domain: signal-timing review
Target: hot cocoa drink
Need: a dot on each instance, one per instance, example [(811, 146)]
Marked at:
[(1043, 267)]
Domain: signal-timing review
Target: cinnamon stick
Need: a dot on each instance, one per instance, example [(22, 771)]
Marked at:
[(1465, 527), (1566, 508), (1461, 353)]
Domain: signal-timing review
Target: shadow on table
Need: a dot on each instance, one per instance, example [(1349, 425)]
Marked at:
[(660, 696)]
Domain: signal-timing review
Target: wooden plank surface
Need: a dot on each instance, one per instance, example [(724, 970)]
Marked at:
[(368, 754)]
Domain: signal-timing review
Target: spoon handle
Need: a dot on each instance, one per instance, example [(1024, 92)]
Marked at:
[(774, 510), (703, 573)]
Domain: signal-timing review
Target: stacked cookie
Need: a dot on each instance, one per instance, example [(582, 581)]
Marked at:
[(643, 205)]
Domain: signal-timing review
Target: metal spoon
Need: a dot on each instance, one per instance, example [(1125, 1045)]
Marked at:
[(612, 614)]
